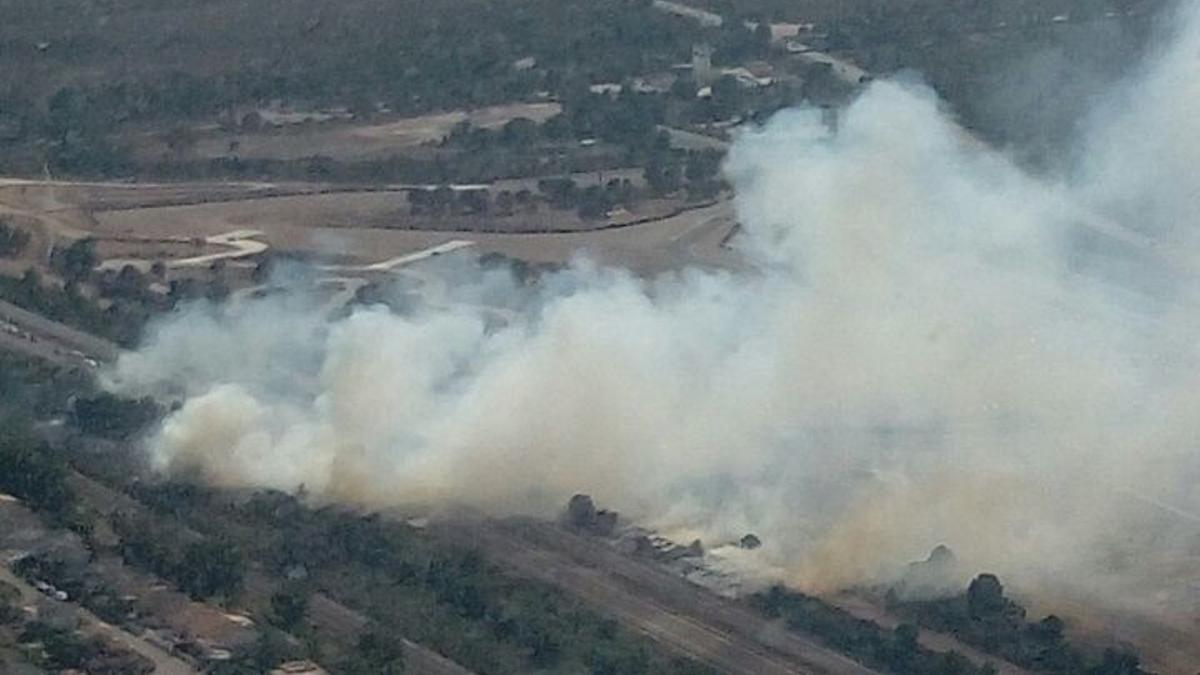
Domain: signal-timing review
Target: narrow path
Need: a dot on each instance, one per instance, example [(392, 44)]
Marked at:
[(400, 261), (239, 244)]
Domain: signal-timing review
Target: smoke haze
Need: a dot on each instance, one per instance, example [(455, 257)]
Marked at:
[(928, 346)]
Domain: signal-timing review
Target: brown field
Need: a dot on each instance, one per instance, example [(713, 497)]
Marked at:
[(114, 196), (347, 142), (347, 210), (334, 224), (1163, 629), (157, 221)]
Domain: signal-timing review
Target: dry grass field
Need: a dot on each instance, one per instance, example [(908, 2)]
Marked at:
[(339, 140)]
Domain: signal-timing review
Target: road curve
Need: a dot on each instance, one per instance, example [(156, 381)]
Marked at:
[(238, 244)]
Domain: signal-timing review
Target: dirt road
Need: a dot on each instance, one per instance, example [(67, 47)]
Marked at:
[(400, 261), (235, 244)]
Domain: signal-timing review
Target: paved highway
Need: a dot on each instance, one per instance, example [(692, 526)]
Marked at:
[(33, 335)]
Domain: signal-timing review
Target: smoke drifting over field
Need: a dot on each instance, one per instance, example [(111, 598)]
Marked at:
[(931, 347)]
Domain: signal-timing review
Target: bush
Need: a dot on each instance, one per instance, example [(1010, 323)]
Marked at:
[(13, 240), (895, 651), (202, 569), (32, 471), (210, 568), (289, 607), (114, 417), (377, 654), (983, 617)]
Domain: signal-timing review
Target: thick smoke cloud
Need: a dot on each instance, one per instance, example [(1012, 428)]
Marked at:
[(927, 346)]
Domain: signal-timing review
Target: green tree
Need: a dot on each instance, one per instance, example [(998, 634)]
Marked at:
[(114, 417), (13, 240), (77, 260), (906, 637), (442, 200), (1117, 662), (727, 97), (289, 607), (985, 596), (593, 203), (662, 175), (377, 655), (179, 139), (562, 193), (66, 113), (519, 133), (620, 659), (31, 470), (684, 88), (210, 568), (702, 165), (505, 203), (474, 201), (269, 650), (557, 128)]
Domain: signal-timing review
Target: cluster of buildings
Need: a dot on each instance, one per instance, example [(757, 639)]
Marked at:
[(753, 75)]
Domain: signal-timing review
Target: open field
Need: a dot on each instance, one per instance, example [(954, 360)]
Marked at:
[(1167, 640), (359, 227), (349, 232), (348, 142), (342, 211), (368, 228)]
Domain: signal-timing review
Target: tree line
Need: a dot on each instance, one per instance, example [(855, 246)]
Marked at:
[(984, 617)]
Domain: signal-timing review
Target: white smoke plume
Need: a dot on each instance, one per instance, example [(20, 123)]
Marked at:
[(929, 346)]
